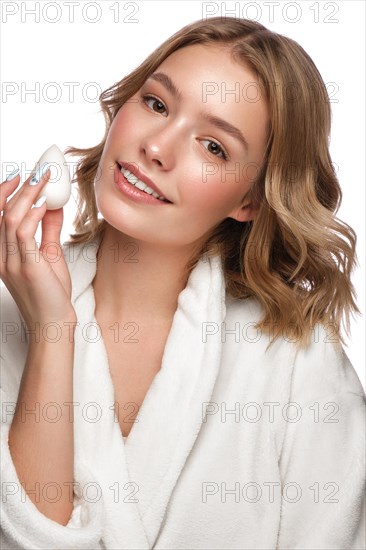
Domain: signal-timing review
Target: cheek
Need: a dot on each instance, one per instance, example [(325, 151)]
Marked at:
[(125, 123), (210, 195)]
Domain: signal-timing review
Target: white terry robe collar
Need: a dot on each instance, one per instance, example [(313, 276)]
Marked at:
[(170, 417)]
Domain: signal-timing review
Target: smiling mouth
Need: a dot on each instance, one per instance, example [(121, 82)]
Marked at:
[(140, 185)]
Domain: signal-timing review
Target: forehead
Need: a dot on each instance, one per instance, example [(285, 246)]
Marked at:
[(199, 65)]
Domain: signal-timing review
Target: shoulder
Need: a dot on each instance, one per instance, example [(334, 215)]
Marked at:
[(248, 310), (321, 369)]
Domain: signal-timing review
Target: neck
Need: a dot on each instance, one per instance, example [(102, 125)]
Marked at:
[(138, 280)]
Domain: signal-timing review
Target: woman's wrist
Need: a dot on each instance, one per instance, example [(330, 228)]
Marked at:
[(52, 332)]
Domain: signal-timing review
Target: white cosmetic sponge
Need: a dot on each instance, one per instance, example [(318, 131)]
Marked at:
[(58, 187)]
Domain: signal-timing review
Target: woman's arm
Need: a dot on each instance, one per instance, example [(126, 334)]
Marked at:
[(38, 295), (41, 437)]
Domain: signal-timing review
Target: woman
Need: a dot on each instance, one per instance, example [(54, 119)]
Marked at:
[(197, 324)]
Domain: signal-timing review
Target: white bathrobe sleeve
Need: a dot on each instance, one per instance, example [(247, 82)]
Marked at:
[(322, 464), (23, 526)]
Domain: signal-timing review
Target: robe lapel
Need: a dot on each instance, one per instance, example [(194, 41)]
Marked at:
[(98, 441), (170, 417)]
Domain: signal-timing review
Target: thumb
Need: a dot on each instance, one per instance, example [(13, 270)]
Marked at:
[(51, 230)]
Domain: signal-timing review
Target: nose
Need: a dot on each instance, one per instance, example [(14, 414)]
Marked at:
[(152, 153), (157, 149)]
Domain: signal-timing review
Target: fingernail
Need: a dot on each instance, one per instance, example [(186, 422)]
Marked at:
[(12, 175), (37, 176), (39, 202)]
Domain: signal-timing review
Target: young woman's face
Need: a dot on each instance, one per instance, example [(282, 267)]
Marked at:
[(172, 142)]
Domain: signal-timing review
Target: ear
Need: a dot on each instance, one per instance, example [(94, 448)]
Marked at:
[(245, 213)]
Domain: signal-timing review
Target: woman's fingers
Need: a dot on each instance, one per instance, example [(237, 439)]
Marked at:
[(37, 277), (25, 235), (6, 189), (9, 187), (10, 202), (51, 248), (51, 231), (13, 214)]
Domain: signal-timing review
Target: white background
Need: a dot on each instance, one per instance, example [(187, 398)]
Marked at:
[(106, 40)]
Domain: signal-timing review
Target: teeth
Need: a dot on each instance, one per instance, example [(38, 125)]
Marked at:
[(133, 180)]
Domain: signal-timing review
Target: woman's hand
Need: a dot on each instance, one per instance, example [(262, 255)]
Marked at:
[(37, 278)]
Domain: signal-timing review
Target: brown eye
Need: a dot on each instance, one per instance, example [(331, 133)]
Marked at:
[(160, 106), (216, 149)]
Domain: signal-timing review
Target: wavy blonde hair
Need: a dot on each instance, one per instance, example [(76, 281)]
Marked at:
[(304, 255)]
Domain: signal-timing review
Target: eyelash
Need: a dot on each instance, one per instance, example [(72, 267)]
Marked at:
[(225, 155)]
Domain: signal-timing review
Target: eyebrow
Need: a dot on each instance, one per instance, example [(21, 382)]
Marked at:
[(220, 123)]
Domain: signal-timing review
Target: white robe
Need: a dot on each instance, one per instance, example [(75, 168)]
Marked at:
[(233, 447)]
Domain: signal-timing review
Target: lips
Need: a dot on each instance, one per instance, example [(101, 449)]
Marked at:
[(141, 176)]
